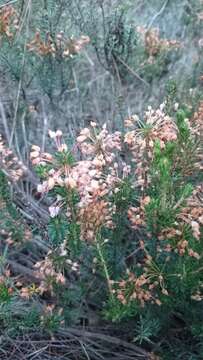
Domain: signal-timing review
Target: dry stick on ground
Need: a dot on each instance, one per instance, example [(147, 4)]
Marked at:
[(102, 337), (23, 270), (72, 342), (30, 208)]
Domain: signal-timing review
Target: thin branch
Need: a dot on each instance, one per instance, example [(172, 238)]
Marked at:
[(45, 120), (8, 3), (105, 338), (21, 269), (21, 78), (4, 120), (157, 15), (132, 71)]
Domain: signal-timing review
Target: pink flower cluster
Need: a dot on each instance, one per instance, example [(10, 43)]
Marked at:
[(11, 165), (157, 126), (93, 178)]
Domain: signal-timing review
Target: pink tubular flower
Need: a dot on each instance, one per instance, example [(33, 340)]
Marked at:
[(99, 144), (54, 211)]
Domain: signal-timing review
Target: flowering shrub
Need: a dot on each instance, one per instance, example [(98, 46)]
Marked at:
[(9, 20), (12, 228), (125, 217), (59, 46), (109, 228), (141, 218), (48, 51), (154, 44)]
